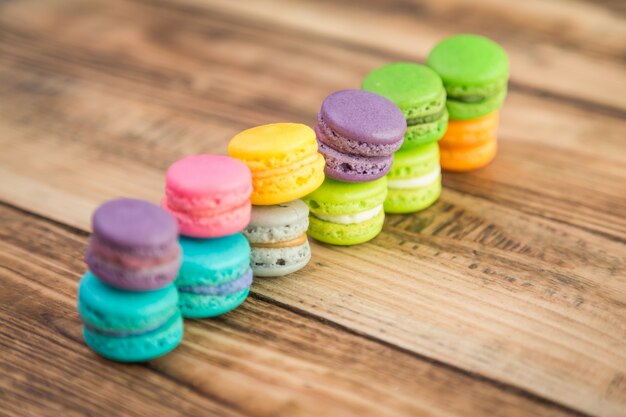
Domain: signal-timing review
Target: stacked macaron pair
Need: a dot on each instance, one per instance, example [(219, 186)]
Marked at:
[(475, 73), (285, 165), (414, 180), (209, 195), (358, 133), (126, 301)]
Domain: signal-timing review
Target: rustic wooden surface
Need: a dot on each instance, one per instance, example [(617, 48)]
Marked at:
[(506, 298)]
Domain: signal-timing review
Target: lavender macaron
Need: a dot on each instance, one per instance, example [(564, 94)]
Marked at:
[(134, 245), (358, 132)]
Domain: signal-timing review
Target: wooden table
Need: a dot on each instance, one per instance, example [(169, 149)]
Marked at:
[(506, 298)]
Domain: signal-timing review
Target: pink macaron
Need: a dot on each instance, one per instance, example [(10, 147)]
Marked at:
[(209, 195)]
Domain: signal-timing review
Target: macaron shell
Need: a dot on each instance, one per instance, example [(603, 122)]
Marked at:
[(412, 200), (272, 146), (346, 234), (363, 116), (348, 145), (469, 60), (415, 162), (211, 224), (338, 198), (354, 168), (132, 279), (424, 133), (204, 306), (278, 223), (137, 348), (131, 225), (468, 158), (473, 132), (463, 111), (416, 89), (287, 213), (108, 308), (213, 261), (206, 181), (275, 262), (289, 185)]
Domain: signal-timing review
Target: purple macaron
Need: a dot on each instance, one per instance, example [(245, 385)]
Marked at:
[(134, 245), (358, 132)]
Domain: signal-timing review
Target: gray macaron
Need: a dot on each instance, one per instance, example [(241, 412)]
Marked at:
[(277, 236)]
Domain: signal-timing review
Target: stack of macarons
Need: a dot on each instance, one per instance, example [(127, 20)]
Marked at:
[(285, 165), (358, 133), (414, 180), (209, 196), (475, 73), (126, 301)]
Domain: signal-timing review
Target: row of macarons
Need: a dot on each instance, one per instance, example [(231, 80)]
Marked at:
[(371, 151)]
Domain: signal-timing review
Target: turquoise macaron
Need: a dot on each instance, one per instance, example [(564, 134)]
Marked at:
[(129, 326), (215, 276)]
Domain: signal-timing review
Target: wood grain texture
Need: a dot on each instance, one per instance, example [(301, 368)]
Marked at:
[(507, 297)]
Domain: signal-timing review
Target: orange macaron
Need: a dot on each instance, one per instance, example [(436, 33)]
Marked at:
[(469, 144)]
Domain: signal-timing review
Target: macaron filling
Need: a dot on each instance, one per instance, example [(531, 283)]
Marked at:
[(347, 167), (132, 333), (139, 279), (208, 216), (353, 218), (239, 284), (109, 254), (179, 201), (300, 240), (426, 119), (415, 182)]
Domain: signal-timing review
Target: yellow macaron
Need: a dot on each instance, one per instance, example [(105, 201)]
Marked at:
[(284, 161)]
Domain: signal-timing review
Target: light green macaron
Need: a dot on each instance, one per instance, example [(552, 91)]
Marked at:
[(343, 213), (475, 72), (418, 91), (414, 181)]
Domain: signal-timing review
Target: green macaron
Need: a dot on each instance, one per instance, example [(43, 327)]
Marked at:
[(418, 91), (414, 181), (475, 72), (343, 213)]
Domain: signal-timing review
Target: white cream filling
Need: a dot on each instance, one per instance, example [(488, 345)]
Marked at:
[(417, 182), (360, 217)]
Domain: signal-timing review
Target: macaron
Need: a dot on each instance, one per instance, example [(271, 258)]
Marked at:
[(343, 213), (358, 132), (475, 72), (215, 276), (277, 236), (414, 181), (209, 195), (419, 93), (284, 161), (469, 144), (129, 326), (134, 245), (468, 159)]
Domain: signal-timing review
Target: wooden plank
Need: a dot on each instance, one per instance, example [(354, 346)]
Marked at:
[(553, 46), (540, 142), (516, 276), (259, 360), (545, 319), (541, 66)]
